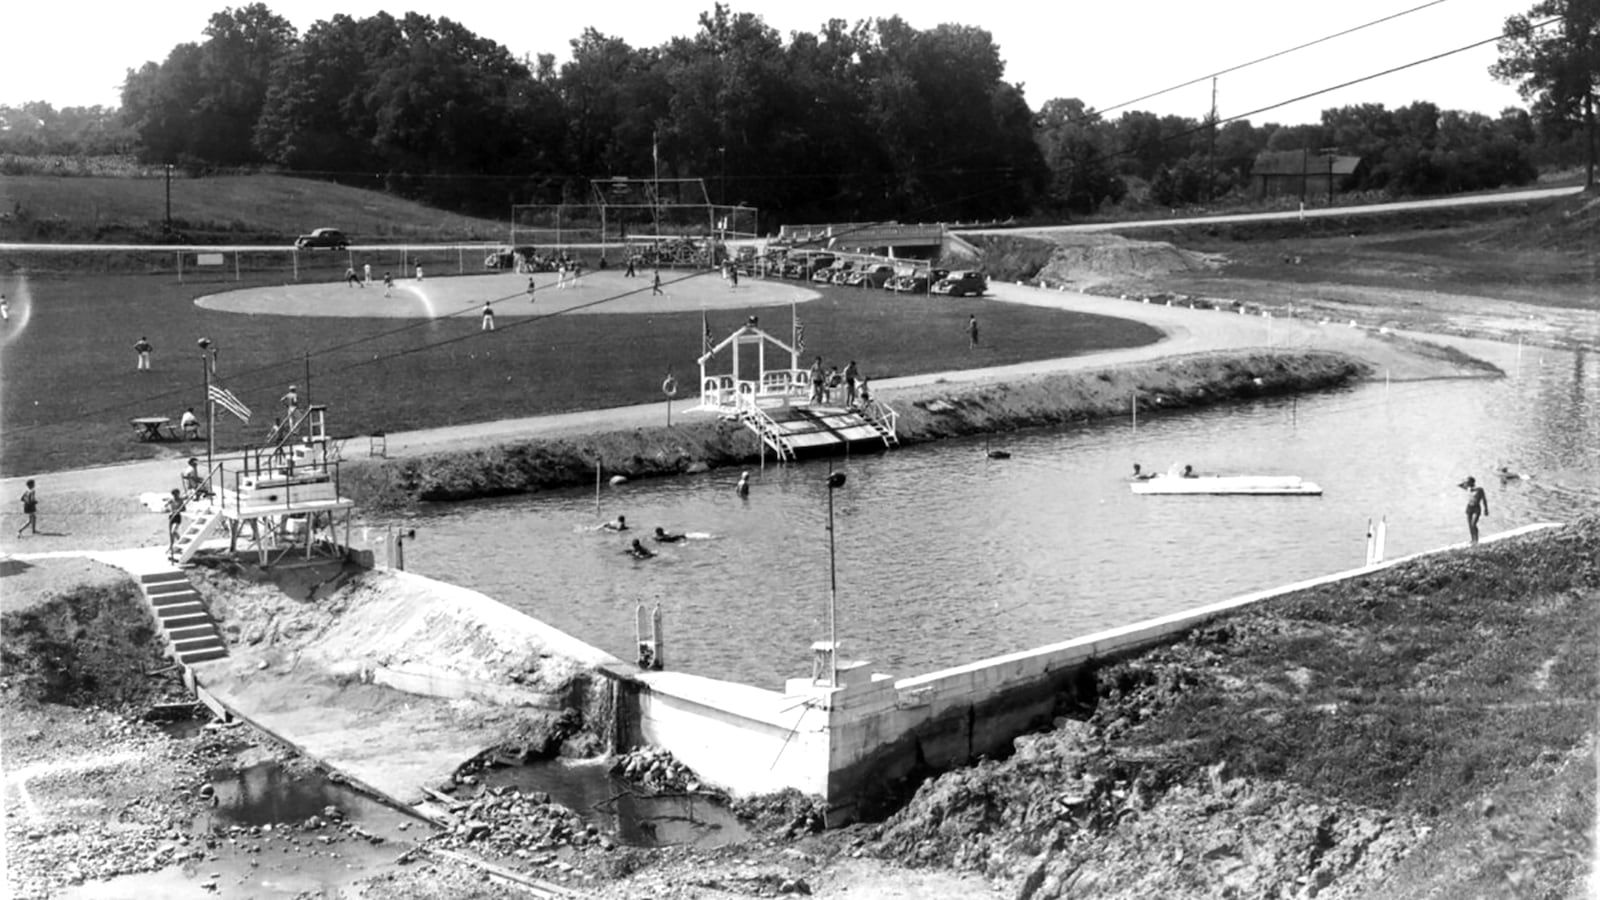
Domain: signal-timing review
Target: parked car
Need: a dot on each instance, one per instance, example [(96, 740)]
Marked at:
[(965, 283), (870, 276), (326, 238), (826, 274), (842, 273)]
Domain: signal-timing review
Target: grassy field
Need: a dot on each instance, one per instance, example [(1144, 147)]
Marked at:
[(70, 385), (222, 208)]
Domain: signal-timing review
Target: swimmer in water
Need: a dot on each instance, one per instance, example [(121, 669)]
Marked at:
[(1505, 474), (665, 537), (620, 523), (743, 487), (640, 551), (1189, 472), (1141, 475)]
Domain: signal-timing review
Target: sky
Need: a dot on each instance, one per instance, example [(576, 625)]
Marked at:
[(1104, 53)]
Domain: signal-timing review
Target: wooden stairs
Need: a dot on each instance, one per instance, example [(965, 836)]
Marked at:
[(189, 630), (201, 523)]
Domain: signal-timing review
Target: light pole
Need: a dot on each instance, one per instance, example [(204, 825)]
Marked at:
[(835, 480), (208, 365)]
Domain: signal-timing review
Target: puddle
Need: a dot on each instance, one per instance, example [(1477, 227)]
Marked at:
[(622, 809), (179, 721), (268, 794), (254, 842)]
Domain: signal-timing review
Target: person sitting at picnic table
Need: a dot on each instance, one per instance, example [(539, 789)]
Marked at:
[(190, 425)]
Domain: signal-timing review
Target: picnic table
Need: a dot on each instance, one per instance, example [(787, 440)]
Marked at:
[(149, 428)]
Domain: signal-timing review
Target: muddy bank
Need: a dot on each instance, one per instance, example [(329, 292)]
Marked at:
[(927, 413), (1425, 731)]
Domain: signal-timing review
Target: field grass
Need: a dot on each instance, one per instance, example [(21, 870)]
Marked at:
[(272, 208), (70, 385)]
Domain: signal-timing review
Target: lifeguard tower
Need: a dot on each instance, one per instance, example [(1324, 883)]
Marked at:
[(776, 400), (283, 496)]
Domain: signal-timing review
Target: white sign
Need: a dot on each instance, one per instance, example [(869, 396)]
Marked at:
[(208, 259)]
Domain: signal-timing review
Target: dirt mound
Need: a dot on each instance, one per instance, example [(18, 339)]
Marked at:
[(1081, 260)]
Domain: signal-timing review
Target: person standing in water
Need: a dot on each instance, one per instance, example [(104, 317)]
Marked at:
[(743, 487), (1477, 505)]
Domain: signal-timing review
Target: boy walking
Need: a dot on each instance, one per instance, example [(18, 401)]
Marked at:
[(30, 508)]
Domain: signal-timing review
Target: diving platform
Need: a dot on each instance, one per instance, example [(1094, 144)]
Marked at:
[(780, 404), (283, 498)]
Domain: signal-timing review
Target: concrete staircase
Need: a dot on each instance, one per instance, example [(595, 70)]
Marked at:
[(199, 527), (190, 633)]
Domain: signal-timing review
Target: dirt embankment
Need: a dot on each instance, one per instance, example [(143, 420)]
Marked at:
[(927, 413), (1421, 732)]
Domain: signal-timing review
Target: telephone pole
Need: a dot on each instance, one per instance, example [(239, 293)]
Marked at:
[(1211, 152)]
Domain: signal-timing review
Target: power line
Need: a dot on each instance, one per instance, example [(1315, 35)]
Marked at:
[(1269, 56)]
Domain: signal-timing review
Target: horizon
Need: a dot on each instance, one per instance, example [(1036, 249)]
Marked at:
[(1194, 40)]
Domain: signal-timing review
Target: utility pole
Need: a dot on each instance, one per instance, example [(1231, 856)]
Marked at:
[(1330, 153), (1211, 153)]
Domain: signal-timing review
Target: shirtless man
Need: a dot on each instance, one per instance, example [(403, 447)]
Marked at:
[(1477, 505), (667, 537)]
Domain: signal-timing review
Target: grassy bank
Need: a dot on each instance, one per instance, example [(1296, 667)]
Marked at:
[(1421, 732), (221, 209), (928, 413)]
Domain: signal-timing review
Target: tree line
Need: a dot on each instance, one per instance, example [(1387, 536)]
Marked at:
[(871, 120)]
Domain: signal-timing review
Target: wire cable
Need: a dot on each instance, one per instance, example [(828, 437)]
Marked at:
[(1269, 56)]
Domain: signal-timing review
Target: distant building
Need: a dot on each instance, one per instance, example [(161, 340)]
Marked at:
[(1301, 173)]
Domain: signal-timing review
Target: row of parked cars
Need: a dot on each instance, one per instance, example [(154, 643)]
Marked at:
[(825, 269)]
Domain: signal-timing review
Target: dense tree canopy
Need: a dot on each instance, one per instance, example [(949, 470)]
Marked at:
[(1557, 67), (867, 120)]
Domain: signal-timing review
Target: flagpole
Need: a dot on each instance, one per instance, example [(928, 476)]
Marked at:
[(211, 410)]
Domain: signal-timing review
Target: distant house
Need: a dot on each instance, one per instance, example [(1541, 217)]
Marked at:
[(1301, 173)]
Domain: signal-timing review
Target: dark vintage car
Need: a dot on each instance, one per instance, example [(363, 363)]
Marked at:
[(323, 239), (965, 283), (872, 276)]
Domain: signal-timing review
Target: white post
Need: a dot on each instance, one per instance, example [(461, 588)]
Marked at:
[(180, 266), (236, 275), (1383, 537)]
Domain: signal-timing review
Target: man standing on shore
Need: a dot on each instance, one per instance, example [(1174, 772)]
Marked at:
[(1477, 504), (143, 348)]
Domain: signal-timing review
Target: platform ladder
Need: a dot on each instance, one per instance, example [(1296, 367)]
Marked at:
[(882, 417), (768, 430), (200, 526), (191, 634)]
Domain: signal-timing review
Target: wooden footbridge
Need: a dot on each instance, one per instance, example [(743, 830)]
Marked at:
[(776, 400)]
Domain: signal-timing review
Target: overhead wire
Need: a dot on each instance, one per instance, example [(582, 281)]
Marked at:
[(1271, 56)]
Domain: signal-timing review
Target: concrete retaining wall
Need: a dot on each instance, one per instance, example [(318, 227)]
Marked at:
[(859, 743), (948, 718), (743, 739)]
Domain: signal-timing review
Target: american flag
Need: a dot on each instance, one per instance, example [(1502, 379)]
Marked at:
[(705, 342), (799, 336), (224, 398)]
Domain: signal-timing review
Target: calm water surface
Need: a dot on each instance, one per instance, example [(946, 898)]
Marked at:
[(944, 556)]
